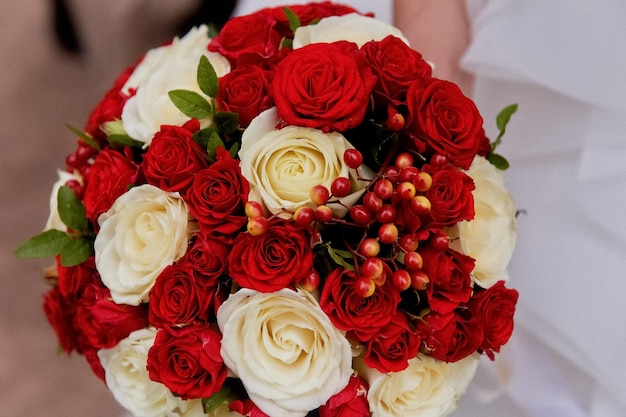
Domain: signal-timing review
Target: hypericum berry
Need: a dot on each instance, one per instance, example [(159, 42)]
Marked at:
[(311, 281), (395, 122), (369, 247), (353, 158), (391, 173), (419, 280), (440, 241), (405, 190), (388, 233), (253, 209), (438, 160), (319, 195), (404, 160), (419, 205), (372, 202), (304, 216), (387, 214), (364, 287), (78, 189), (340, 187), (423, 181), (372, 268), (409, 242), (257, 225), (323, 214), (360, 214), (401, 279), (413, 261), (383, 188), (408, 174)]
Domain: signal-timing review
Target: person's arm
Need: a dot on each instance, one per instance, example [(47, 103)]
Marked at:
[(440, 31)]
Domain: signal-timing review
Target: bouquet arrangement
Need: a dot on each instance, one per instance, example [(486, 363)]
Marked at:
[(291, 217)]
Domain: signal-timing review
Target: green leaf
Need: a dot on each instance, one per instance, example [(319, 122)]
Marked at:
[(46, 244), (207, 77), (202, 136), (71, 210), (191, 104), (498, 161), (502, 119), (214, 142), (124, 140), (294, 20), (234, 149), (76, 251), (84, 137), (227, 121), (216, 399), (339, 257)]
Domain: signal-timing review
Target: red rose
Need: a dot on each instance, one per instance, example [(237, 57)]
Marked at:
[(252, 34), (103, 322), (110, 176), (59, 314), (452, 336), (173, 158), (246, 408), (450, 281), (188, 361), (391, 348), (363, 318), (350, 402), (176, 299), (323, 86), (217, 197), (206, 260), (109, 108), (74, 279), (273, 260), (495, 308), (307, 13), (245, 92), (397, 66), (445, 121), (450, 197)]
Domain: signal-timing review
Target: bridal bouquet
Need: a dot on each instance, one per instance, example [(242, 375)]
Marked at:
[(292, 217)]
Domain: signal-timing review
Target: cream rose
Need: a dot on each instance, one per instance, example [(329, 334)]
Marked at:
[(490, 237), (426, 388), (144, 231), (54, 220), (288, 355), (283, 165), (164, 69), (127, 379), (351, 27)]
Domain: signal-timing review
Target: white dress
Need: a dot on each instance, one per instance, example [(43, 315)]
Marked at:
[(564, 62)]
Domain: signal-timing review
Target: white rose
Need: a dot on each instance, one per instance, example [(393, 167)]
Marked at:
[(351, 27), (426, 388), (54, 220), (144, 231), (287, 353), (127, 379), (164, 69), (283, 165), (490, 237)]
